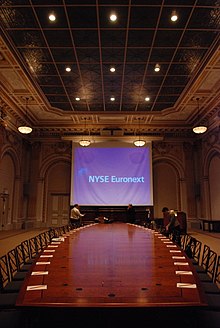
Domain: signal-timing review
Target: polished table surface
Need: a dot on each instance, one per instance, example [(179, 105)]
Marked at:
[(112, 265)]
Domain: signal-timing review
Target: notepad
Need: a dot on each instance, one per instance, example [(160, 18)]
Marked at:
[(42, 263), (184, 273), (58, 239), (185, 285), (48, 255), (37, 287), (39, 273), (181, 263)]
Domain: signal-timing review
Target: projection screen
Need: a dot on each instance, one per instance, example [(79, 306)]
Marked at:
[(111, 174)]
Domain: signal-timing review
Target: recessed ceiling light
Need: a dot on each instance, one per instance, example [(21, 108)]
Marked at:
[(68, 69), (157, 68), (77, 99), (112, 98), (113, 17), (112, 69), (174, 16), (52, 17), (147, 98)]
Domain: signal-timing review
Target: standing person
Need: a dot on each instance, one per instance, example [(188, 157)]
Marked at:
[(130, 213), (173, 227), (148, 218), (76, 216)]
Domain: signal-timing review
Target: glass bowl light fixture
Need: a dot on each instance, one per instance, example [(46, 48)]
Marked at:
[(25, 129), (200, 128), (139, 142), (84, 142)]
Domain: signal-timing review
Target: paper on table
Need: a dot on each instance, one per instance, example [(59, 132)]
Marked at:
[(37, 287), (181, 263), (185, 285), (42, 263), (184, 272)]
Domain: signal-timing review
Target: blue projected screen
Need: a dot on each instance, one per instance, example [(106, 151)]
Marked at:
[(111, 175)]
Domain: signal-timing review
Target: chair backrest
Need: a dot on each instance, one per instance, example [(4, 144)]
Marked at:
[(13, 262), (205, 257), (196, 249), (217, 272), (20, 255), (33, 247), (211, 264), (186, 241), (25, 246), (4, 272)]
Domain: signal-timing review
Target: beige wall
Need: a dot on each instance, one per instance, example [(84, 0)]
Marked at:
[(36, 175)]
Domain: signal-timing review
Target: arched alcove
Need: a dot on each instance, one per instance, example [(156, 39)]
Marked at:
[(214, 187), (166, 187)]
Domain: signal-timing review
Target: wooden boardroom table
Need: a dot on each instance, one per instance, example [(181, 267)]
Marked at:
[(117, 265)]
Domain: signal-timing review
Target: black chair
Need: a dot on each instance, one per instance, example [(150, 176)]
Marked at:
[(214, 287), (209, 274), (217, 273), (196, 251), (14, 268), (33, 246), (185, 240), (47, 236), (7, 285), (23, 264), (202, 267), (25, 246)]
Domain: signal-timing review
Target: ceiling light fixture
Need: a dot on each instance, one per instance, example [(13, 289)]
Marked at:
[(147, 98), (174, 16), (157, 68), (112, 98), (52, 17), (25, 129), (112, 69), (77, 99), (139, 142), (113, 17), (68, 69), (84, 142), (199, 129)]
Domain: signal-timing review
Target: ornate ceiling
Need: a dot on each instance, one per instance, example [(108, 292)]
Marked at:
[(35, 52)]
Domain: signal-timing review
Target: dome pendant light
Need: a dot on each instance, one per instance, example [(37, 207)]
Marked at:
[(84, 142), (199, 129), (25, 129), (139, 142)]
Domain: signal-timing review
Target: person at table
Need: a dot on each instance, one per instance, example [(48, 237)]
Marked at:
[(130, 214), (166, 216), (173, 227), (76, 216)]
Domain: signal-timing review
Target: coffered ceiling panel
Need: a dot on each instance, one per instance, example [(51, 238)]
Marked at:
[(84, 39)]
